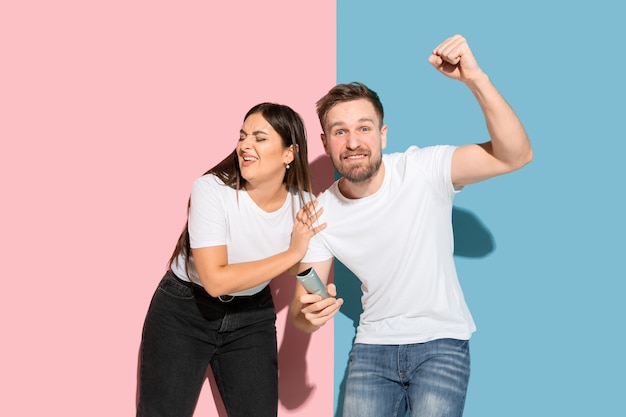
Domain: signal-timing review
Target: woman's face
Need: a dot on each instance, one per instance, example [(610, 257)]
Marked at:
[(262, 156)]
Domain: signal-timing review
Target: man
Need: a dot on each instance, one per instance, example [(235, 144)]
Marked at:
[(389, 221)]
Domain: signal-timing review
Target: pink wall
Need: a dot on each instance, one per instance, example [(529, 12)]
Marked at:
[(108, 111)]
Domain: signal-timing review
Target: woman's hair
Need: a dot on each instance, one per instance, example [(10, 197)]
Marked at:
[(289, 125), (348, 92)]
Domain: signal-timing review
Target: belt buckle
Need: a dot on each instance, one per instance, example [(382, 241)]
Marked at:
[(226, 298)]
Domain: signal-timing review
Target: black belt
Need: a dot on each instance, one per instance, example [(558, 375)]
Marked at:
[(215, 307)]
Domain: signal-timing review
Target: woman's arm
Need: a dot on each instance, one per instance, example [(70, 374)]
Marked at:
[(218, 277)]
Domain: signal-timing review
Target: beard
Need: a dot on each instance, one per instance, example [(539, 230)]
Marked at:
[(359, 173)]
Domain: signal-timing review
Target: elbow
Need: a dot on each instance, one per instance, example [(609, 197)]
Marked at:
[(521, 161), (213, 292), (529, 154), (527, 157), (213, 288)]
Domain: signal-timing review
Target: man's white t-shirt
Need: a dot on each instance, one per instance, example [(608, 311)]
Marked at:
[(399, 243)]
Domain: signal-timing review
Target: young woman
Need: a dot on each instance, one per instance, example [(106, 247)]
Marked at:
[(250, 219)]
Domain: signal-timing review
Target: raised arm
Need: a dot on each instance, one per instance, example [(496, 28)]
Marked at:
[(308, 311), (509, 148)]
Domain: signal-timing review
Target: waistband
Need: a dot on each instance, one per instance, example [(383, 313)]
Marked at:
[(199, 291)]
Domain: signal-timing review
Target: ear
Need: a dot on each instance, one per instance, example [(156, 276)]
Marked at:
[(323, 137), (289, 155), (383, 137)]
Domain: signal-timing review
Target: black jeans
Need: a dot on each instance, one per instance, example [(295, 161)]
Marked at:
[(186, 330)]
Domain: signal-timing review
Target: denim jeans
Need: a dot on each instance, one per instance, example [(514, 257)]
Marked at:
[(186, 330), (427, 379)]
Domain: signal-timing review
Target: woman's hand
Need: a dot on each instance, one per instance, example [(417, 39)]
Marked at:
[(305, 226)]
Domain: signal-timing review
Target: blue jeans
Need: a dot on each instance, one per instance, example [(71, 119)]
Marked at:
[(427, 379), (186, 330)]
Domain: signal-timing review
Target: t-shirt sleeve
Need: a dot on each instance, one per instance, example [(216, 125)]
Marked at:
[(318, 251), (207, 217), (436, 164)]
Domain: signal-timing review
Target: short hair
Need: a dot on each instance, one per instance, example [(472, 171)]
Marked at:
[(347, 92)]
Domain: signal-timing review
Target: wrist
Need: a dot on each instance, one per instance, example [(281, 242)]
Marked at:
[(477, 81), (294, 255)]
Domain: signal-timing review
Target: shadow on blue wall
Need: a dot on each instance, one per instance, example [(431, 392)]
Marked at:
[(472, 239)]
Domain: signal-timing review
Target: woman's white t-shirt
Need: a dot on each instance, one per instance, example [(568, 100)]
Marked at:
[(220, 215)]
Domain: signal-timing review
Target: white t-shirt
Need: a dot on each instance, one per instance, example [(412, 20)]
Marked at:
[(219, 215), (399, 243)]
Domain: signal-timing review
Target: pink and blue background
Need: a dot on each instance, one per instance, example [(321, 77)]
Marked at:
[(109, 111)]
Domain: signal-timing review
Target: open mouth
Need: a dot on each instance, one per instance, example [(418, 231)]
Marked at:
[(247, 160), (355, 157)]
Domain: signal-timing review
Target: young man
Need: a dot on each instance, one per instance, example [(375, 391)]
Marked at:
[(390, 222)]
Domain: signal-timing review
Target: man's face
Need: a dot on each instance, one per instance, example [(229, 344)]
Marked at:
[(354, 139)]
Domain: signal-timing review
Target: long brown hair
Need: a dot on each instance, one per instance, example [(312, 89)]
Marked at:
[(288, 124)]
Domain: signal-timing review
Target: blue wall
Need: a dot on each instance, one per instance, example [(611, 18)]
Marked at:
[(539, 251)]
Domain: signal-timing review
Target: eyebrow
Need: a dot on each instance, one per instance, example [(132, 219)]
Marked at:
[(361, 120), (256, 132)]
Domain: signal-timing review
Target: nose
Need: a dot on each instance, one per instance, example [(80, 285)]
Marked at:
[(244, 142), (352, 141)]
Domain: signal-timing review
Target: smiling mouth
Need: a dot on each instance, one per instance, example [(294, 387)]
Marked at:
[(248, 160), (354, 157)]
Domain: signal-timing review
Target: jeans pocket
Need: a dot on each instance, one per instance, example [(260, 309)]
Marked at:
[(460, 344), (171, 287)]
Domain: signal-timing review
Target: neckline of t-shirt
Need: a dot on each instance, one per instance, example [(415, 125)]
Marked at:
[(276, 212), (370, 197)]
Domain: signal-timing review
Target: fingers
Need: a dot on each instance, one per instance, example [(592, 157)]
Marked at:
[(451, 50), (454, 58), (309, 215), (305, 226), (332, 290), (319, 228), (318, 313), (435, 60), (310, 210), (315, 305)]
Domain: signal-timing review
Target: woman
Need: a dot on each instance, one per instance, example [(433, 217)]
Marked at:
[(248, 223)]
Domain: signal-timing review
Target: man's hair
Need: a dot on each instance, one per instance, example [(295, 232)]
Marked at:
[(347, 92)]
